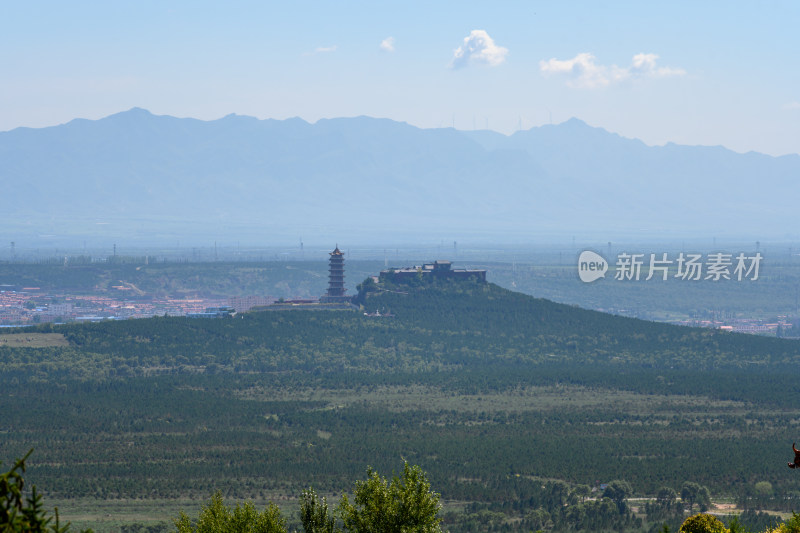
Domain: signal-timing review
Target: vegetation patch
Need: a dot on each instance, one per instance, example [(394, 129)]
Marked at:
[(540, 405), (33, 340)]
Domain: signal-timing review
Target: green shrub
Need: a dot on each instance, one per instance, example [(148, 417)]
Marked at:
[(703, 523), (217, 518)]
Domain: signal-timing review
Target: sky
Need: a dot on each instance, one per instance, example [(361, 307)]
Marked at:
[(695, 73)]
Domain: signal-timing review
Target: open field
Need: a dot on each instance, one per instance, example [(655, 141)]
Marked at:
[(525, 398), (33, 340), (108, 516)]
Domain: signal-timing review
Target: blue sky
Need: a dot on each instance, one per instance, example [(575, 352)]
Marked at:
[(710, 73)]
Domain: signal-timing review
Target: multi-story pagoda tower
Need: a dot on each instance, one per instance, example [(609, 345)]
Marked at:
[(336, 291)]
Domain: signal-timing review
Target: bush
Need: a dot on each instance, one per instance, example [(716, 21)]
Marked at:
[(402, 504), (703, 523), (791, 525), (217, 518)]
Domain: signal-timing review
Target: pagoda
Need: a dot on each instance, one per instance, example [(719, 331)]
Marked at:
[(336, 292)]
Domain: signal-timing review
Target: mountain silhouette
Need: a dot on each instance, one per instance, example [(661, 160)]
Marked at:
[(144, 176)]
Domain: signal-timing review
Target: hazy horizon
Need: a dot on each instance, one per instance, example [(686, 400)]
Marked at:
[(421, 127), (659, 88), (713, 74)]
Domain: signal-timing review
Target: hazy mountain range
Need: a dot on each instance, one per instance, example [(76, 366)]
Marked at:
[(138, 176)]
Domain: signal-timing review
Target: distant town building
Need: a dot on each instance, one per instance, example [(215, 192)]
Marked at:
[(336, 292), (62, 309), (437, 269)]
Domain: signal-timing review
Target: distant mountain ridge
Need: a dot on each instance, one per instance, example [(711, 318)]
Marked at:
[(140, 175)]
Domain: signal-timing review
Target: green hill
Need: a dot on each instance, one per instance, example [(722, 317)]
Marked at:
[(489, 391)]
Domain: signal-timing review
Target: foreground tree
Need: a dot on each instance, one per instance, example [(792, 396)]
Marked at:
[(314, 514), (791, 525), (405, 504), (703, 523), (217, 518), (24, 514)]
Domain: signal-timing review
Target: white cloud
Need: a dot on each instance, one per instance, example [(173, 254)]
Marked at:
[(792, 106), (584, 72), (387, 45), (478, 48), (321, 50), (645, 65)]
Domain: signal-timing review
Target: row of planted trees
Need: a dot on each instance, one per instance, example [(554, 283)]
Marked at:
[(406, 503), (666, 503)]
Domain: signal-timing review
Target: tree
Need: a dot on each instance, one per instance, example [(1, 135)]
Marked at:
[(364, 288), (538, 519), (314, 514), (666, 498), (762, 495), (791, 525), (404, 504), (217, 518), (558, 493), (24, 514), (665, 506), (579, 493), (764, 488), (617, 491), (703, 523), (694, 493)]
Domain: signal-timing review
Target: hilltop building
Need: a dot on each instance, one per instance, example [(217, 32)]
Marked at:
[(336, 292), (334, 299), (437, 269)]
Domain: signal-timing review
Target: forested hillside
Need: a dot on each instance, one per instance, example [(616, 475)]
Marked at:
[(495, 394)]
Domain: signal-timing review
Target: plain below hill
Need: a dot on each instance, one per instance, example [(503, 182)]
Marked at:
[(491, 391)]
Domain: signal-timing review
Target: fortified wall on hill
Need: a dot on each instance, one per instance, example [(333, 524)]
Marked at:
[(437, 269)]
